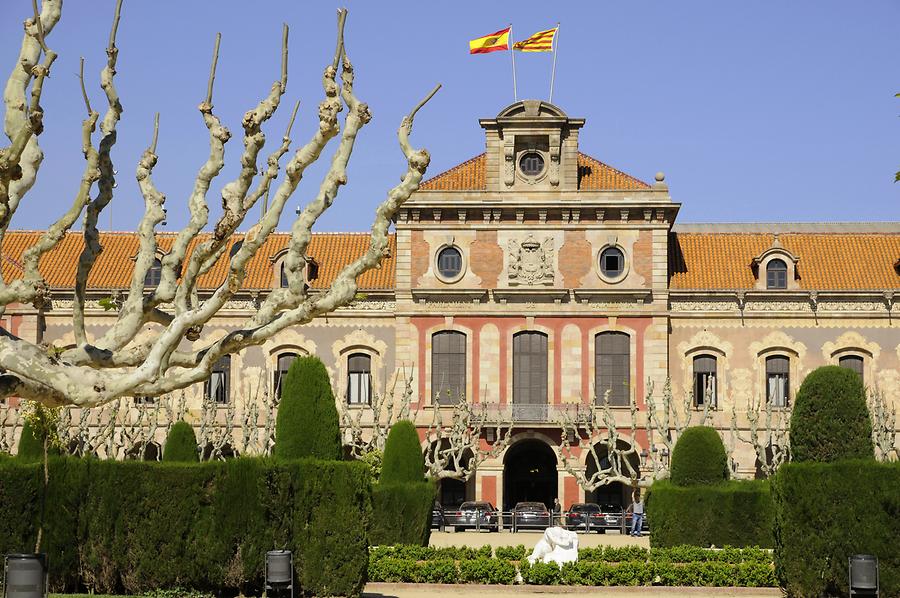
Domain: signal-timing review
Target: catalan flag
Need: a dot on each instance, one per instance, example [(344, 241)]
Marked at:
[(495, 42), (542, 41)]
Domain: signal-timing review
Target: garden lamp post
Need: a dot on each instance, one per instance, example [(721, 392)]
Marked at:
[(863, 575)]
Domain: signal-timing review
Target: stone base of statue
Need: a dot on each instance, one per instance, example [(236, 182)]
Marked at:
[(557, 546)]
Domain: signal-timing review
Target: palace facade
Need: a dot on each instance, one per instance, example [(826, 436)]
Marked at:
[(533, 278)]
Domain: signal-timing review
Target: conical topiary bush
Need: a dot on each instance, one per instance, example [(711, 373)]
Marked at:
[(403, 457), (181, 444), (699, 458), (830, 420), (307, 422)]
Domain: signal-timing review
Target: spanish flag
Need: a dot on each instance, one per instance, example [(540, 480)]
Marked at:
[(542, 41), (495, 42)]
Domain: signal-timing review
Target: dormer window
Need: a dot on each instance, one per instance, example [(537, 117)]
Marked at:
[(776, 274), (284, 275), (776, 268)]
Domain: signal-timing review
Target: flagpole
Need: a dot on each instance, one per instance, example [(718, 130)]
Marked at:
[(553, 72), (512, 54)]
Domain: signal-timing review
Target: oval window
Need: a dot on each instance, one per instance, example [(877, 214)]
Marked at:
[(612, 262), (449, 262), (531, 164)]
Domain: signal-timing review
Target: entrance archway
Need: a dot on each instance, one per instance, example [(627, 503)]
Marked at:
[(529, 474), (616, 493)]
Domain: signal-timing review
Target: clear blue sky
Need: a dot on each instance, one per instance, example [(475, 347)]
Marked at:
[(756, 111)]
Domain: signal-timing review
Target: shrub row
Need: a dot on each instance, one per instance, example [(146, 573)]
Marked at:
[(609, 554), (585, 573), (736, 513), (828, 512), (131, 526)]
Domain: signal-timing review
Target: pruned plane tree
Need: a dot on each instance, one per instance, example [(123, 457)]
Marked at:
[(120, 363)]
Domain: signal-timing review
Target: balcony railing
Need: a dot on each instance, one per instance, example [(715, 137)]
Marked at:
[(535, 413)]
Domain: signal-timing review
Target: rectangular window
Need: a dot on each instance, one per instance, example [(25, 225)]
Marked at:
[(705, 381), (530, 368), (283, 364), (217, 387), (778, 380), (359, 379), (612, 368), (448, 367)]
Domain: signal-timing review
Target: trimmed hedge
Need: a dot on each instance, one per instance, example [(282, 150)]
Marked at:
[(181, 444), (132, 527), (699, 458), (657, 568), (403, 457), (830, 420), (737, 513), (307, 420), (827, 512), (401, 513)]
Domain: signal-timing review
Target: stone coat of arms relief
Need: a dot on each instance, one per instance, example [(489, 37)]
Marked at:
[(530, 261)]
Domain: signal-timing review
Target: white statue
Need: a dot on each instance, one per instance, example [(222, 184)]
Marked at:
[(557, 546)]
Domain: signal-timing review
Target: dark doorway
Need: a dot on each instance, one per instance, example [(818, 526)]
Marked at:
[(453, 493), (529, 474), (616, 493)]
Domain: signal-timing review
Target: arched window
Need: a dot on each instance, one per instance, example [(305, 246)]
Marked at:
[(705, 383), (530, 368), (852, 362), (282, 365), (359, 379), (448, 367), (612, 367), (154, 274), (218, 387), (283, 275), (776, 274), (778, 386)]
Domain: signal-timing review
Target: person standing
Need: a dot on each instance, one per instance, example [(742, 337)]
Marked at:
[(557, 509), (637, 513)]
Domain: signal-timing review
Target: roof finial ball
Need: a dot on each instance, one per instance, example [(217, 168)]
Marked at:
[(660, 181)]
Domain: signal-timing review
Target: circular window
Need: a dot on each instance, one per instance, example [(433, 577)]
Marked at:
[(612, 263), (531, 164), (449, 263)]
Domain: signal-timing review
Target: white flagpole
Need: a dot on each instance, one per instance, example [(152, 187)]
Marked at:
[(553, 72), (512, 54)]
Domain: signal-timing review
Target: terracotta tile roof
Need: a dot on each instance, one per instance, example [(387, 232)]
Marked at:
[(468, 176), (593, 175), (828, 261), (114, 266)]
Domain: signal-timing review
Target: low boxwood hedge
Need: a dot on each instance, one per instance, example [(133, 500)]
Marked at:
[(747, 568), (134, 527), (736, 513), (827, 512)]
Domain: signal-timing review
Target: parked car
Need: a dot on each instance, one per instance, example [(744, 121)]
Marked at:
[(437, 515), (612, 516), (584, 516), (475, 515), (530, 514)]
